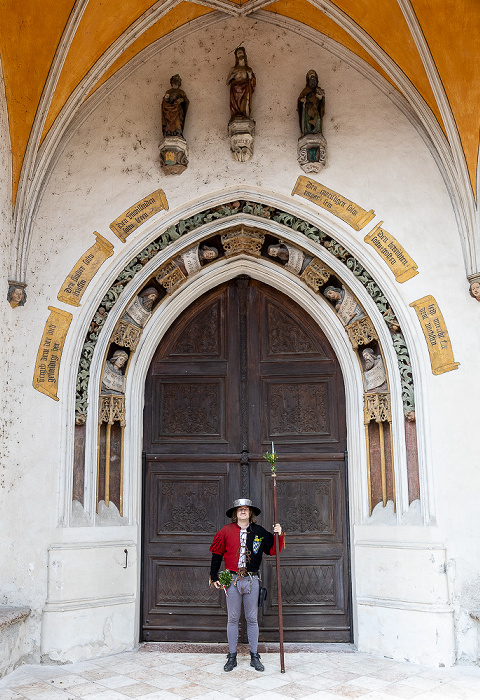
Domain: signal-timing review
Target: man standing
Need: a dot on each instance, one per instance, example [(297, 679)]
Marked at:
[(242, 544)]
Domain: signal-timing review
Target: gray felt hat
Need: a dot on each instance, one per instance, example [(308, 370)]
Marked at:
[(242, 502)]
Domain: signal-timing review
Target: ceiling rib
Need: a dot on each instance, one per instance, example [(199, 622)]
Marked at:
[(39, 121), (31, 199), (466, 191)]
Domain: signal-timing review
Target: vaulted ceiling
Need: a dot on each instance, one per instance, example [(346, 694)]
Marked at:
[(57, 53)]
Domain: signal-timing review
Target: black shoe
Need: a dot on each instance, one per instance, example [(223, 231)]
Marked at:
[(231, 662), (256, 663)]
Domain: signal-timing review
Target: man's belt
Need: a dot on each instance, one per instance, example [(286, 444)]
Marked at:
[(243, 572)]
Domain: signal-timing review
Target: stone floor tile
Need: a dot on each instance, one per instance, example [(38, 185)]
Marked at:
[(401, 690), (369, 683), (265, 683), (295, 690), (318, 683), (266, 695), (166, 682), (348, 691), (216, 695), (96, 675), (85, 689), (390, 674), (107, 694), (115, 682), (191, 690), (67, 680), (137, 690), (340, 676)]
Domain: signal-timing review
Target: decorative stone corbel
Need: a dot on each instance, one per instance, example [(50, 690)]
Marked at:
[(170, 277), (361, 332), (474, 288), (16, 294), (242, 239), (316, 274)]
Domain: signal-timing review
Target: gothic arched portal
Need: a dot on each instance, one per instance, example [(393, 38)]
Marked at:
[(241, 367)]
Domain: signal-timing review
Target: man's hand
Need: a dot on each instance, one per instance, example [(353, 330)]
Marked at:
[(277, 528), (217, 584)]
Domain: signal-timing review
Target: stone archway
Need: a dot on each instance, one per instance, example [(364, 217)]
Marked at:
[(242, 366)]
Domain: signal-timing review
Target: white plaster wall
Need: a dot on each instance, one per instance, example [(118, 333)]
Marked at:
[(375, 158)]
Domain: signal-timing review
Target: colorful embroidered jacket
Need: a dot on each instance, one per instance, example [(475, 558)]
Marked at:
[(226, 544)]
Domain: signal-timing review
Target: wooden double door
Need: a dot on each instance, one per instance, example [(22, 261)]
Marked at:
[(244, 365)]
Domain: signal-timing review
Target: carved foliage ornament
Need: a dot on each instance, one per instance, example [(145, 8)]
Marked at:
[(229, 209)]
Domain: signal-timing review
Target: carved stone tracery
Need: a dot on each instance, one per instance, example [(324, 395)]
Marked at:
[(126, 335), (170, 277), (112, 409), (377, 407), (315, 274), (361, 332), (242, 240)]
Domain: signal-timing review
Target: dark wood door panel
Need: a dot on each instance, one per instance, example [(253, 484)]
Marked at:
[(241, 367)]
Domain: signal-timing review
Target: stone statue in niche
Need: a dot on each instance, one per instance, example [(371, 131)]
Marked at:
[(113, 380), (140, 309), (374, 376), (192, 260), (346, 306), (311, 151), (293, 258), (475, 289), (173, 148), (16, 294), (241, 127)]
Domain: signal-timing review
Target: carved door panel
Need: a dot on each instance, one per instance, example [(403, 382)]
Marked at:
[(241, 367)]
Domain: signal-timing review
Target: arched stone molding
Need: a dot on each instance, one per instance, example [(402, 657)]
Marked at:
[(265, 271), (39, 164)]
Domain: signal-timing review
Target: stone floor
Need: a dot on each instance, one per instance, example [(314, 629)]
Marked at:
[(150, 674)]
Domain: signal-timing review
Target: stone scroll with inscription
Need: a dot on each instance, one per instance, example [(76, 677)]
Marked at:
[(83, 272), (398, 260), (333, 202), (47, 366), (137, 215), (436, 335)]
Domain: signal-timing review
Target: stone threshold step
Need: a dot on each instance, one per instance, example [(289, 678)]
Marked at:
[(263, 648)]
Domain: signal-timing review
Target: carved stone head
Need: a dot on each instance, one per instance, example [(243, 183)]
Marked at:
[(16, 294), (175, 80), (119, 358), (475, 290)]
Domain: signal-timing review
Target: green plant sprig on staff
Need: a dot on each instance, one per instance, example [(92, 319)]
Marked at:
[(225, 578), (271, 458)]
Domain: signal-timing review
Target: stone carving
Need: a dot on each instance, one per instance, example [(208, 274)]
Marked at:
[(113, 380), (346, 305), (315, 274), (290, 255), (241, 128), (16, 294), (312, 155), (228, 209), (374, 376), (377, 407), (112, 408), (127, 335), (195, 257), (173, 148), (171, 277), (475, 289), (242, 240), (129, 329), (140, 309), (361, 332)]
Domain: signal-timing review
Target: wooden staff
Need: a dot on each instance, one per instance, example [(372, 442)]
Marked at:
[(272, 458)]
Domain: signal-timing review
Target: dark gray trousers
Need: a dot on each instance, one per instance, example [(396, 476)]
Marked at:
[(246, 589)]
